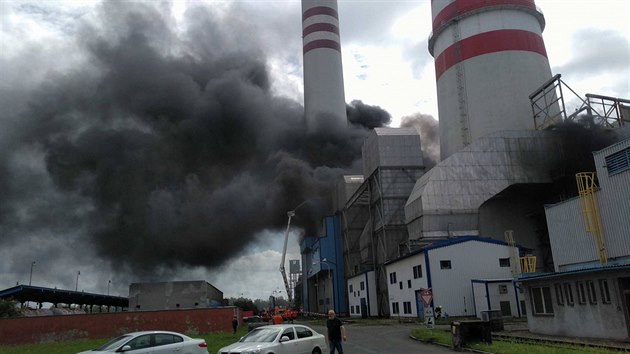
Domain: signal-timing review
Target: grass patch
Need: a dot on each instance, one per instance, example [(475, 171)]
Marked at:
[(215, 342), (508, 347)]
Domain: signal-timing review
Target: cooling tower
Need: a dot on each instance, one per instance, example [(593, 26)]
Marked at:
[(324, 99), (489, 56)]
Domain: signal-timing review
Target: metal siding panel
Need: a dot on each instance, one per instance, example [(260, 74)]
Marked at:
[(569, 241)]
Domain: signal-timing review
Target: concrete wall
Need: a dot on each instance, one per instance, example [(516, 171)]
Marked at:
[(593, 320), (172, 295), (49, 329)]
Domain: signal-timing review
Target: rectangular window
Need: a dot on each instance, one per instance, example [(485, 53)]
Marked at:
[(604, 292), (400, 285), (506, 308), (445, 264), (417, 272), (395, 308), (568, 293), (409, 284), (358, 309), (618, 162), (504, 262), (351, 288), (351, 309), (541, 301), (407, 307), (559, 295), (579, 287), (503, 289), (590, 290), (392, 278), (362, 285)]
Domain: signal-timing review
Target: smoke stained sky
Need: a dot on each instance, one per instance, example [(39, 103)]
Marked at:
[(129, 129)]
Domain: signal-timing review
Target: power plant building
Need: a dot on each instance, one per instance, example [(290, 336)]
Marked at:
[(489, 56), (586, 288), (324, 98)]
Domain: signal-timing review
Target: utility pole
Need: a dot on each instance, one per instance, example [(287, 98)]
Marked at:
[(77, 286)]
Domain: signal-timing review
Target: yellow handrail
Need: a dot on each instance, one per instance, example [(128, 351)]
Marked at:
[(590, 211)]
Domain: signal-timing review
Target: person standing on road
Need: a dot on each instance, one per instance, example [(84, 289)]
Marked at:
[(234, 324), (336, 331)]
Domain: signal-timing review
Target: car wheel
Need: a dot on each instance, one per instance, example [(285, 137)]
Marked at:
[(317, 351)]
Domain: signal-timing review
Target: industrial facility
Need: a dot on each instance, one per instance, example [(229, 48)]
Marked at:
[(510, 147)]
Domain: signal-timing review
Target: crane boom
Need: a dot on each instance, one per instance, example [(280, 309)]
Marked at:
[(290, 214)]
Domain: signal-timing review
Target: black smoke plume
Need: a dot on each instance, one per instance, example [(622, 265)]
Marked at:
[(167, 148), (429, 130)]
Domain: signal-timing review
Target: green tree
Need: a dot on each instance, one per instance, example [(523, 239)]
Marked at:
[(9, 308)]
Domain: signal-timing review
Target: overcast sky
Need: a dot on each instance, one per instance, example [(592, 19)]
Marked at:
[(145, 141)]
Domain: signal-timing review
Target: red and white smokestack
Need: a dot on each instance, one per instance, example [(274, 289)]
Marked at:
[(324, 99), (489, 56)]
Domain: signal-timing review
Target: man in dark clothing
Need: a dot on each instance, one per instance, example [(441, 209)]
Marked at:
[(336, 331), (234, 324)]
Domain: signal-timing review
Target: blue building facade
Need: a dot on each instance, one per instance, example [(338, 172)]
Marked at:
[(324, 282)]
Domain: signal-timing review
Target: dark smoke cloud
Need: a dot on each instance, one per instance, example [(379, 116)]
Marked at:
[(428, 128), (360, 114), (167, 149)]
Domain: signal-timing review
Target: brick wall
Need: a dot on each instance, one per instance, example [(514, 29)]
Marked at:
[(47, 329)]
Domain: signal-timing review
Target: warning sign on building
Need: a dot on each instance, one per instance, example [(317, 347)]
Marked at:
[(427, 296)]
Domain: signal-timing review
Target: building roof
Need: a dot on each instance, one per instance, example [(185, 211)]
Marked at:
[(23, 293), (453, 241), (544, 276)]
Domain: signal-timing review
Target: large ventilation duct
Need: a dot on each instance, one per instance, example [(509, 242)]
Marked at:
[(489, 56), (324, 99)]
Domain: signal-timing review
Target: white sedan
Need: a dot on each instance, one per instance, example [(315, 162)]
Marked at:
[(154, 342), (279, 339)]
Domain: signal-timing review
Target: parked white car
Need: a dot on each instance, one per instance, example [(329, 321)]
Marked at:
[(279, 339), (155, 342)]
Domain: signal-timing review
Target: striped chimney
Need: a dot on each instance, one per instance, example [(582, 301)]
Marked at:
[(324, 99), (489, 56)]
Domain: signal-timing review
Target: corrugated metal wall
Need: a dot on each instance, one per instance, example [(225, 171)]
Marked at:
[(572, 246), (614, 202)]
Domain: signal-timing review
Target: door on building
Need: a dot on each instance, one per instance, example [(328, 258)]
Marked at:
[(364, 308), (624, 285)]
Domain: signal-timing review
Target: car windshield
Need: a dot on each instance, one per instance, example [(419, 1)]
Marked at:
[(261, 335), (114, 343)]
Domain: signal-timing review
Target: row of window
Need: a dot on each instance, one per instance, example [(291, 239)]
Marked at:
[(584, 289), (358, 309), (543, 305), (357, 293), (406, 307), (444, 264)]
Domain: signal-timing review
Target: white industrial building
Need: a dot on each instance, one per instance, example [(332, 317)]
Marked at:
[(591, 282), (502, 295), (447, 268), (362, 295)]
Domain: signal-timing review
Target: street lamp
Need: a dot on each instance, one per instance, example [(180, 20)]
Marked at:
[(76, 288), (31, 276)]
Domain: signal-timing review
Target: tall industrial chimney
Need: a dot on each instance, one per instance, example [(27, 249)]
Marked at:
[(489, 56), (324, 99)]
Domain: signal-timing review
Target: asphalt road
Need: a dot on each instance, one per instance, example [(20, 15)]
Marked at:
[(389, 339)]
